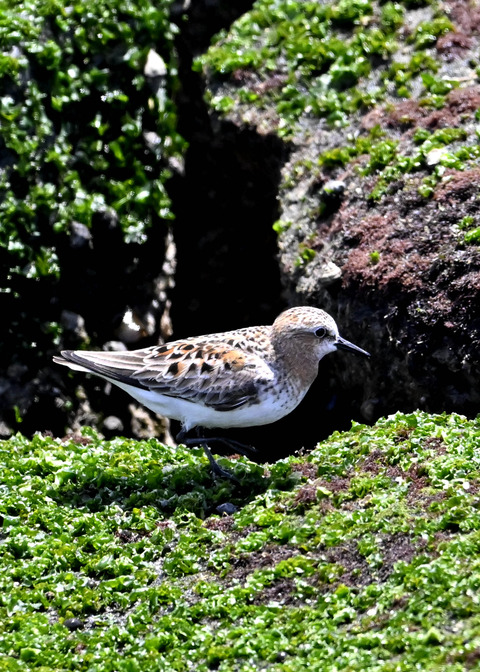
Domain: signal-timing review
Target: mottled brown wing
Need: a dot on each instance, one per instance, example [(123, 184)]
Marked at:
[(215, 374)]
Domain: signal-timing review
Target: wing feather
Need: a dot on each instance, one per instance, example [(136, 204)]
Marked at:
[(221, 375)]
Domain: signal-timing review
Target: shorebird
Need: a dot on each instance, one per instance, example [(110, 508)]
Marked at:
[(242, 378)]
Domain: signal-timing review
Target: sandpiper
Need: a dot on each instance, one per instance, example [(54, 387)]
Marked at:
[(242, 378)]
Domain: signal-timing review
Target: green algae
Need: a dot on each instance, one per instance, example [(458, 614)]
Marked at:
[(74, 105), (309, 62), (313, 60), (362, 555), (320, 69), (471, 232), (433, 153), (87, 145)]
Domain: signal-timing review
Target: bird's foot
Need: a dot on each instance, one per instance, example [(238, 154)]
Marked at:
[(217, 469), (236, 446)]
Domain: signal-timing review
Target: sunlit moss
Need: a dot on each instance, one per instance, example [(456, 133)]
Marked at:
[(74, 106), (314, 58), (364, 549)]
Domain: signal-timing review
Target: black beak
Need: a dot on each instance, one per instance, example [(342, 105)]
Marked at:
[(342, 344)]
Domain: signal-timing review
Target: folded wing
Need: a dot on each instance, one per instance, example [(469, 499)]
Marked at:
[(215, 374)]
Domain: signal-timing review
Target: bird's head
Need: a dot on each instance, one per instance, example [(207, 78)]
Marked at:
[(312, 329)]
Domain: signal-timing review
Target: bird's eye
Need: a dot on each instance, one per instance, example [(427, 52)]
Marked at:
[(321, 332)]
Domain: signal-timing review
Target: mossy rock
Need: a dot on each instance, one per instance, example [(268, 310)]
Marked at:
[(89, 142), (378, 104)]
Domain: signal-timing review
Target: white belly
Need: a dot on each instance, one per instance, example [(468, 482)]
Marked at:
[(191, 414)]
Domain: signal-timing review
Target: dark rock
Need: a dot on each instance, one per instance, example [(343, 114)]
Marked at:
[(228, 508), (73, 624)]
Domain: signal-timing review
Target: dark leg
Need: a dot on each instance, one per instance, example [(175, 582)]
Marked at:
[(216, 468), (198, 440), (202, 441)]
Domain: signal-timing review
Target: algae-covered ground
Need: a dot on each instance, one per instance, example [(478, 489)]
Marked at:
[(362, 555)]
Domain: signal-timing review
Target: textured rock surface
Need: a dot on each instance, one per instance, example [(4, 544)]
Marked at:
[(359, 143), (379, 214)]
